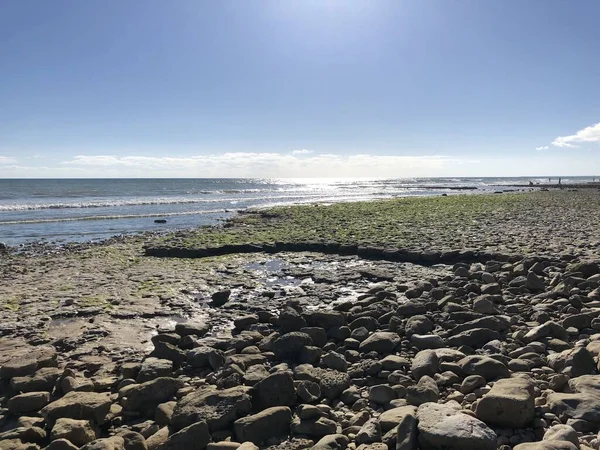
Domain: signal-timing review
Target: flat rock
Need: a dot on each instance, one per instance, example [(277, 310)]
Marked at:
[(581, 405), (381, 342), (474, 338), (510, 403), (443, 427), (145, 397), (562, 433), (488, 368), (548, 329), (79, 405), (217, 408), (27, 402), (79, 432), (192, 437), (393, 417), (332, 442), (270, 423), (43, 379), (546, 445)]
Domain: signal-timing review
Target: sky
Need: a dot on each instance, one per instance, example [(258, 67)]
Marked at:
[(299, 88)]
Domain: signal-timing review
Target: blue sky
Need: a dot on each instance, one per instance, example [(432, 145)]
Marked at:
[(299, 88)]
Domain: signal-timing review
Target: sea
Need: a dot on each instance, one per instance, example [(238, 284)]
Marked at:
[(79, 210)]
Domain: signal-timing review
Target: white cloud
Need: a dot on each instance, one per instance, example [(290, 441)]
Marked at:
[(302, 151), (7, 160), (276, 165), (543, 147), (588, 134)]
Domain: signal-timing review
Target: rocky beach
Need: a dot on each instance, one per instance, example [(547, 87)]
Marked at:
[(460, 322)]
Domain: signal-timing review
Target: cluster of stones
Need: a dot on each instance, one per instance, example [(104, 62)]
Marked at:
[(501, 355)]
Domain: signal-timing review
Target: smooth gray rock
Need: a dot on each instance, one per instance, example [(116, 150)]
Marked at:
[(425, 362), (270, 423), (79, 405), (509, 404), (488, 368), (426, 390), (562, 433), (381, 342), (192, 437), (217, 408), (573, 362), (443, 427)]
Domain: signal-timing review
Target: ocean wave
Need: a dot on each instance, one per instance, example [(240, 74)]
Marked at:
[(105, 203), (111, 217)]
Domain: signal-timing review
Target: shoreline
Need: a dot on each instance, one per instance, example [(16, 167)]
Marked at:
[(433, 191)]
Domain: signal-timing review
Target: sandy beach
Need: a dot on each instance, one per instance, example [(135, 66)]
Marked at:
[(314, 327)]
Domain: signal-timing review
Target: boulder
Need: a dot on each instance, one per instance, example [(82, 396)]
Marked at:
[(36, 358), (331, 382), (164, 350), (548, 329), (270, 423), (562, 433), (61, 444), (43, 379), (219, 298), (111, 443), (133, 440), (488, 368), (332, 442), (201, 357), (509, 404), (79, 432), (394, 362), (474, 338), (380, 342), (381, 394), (145, 397), (27, 402), (426, 390), (425, 362), (369, 433), (546, 445), (192, 437), (443, 427), (535, 283), (289, 345), (334, 360), (290, 320), (325, 319), (393, 417), (315, 427), (407, 431), (579, 405), (217, 408), (153, 368), (79, 405), (573, 362), (191, 329), (275, 390)]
